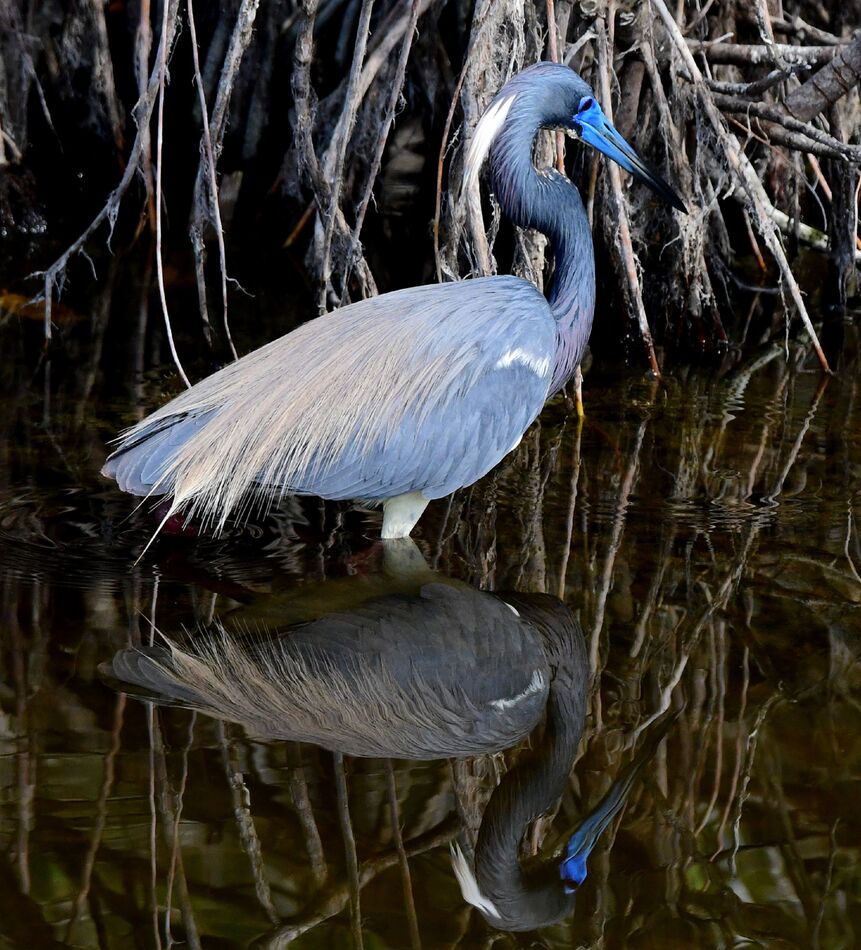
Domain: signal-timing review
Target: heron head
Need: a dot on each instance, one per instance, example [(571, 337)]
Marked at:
[(553, 96)]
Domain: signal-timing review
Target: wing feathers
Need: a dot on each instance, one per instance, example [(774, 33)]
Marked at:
[(329, 402)]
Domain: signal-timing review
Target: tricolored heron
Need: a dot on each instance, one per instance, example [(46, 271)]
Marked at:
[(410, 395), (446, 671)]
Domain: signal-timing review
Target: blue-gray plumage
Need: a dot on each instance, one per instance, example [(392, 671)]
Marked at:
[(447, 671), (408, 396)]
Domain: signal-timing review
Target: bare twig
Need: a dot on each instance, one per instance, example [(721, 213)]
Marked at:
[(53, 276), (626, 246), (211, 142), (335, 901), (101, 817), (241, 799), (143, 45), (333, 162), (740, 55), (766, 33), (170, 810), (172, 834), (850, 520), (553, 50), (195, 230), (754, 244), (443, 146), (626, 487), (349, 839), (389, 33), (159, 266), (747, 770), (392, 790), (153, 826), (773, 135), (103, 73), (305, 813), (757, 87), (763, 110), (303, 54), (798, 28), (744, 173), (572, 504), (733, 785), (805, 233), (382, 138)]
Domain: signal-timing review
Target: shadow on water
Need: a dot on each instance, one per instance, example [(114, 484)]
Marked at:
[(702, 534)]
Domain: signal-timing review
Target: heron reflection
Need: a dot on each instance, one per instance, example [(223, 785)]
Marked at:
[(445, 671)]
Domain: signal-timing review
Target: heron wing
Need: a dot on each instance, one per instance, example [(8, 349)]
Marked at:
[(421, 389), (442, 448), (450, 671)]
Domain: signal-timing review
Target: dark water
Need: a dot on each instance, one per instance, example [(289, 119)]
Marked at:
[(705, 531)]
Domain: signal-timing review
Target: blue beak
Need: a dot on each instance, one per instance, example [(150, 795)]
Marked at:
[(592, 126), (573, 870)]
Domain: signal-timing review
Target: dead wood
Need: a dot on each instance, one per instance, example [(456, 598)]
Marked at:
[(205, 205), (750, 186), (716, 103), (54, 275), (837, 78), (809, 137), (396, 92), (621, 226), (741, 55), (161, 60)]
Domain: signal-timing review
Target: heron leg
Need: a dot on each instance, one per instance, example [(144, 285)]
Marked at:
[(402, 558), (578, 392), (401, 513)]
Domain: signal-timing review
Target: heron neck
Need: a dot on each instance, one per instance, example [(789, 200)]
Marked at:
[(531, 788), (537, 782), (548, 202), (534, 786)]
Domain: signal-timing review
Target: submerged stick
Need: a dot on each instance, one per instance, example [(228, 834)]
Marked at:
[(335, 901), (241, 800), (397, 835), (350, 854), (101, 818)]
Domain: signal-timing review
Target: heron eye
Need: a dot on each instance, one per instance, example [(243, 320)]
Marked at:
[(586, 103)]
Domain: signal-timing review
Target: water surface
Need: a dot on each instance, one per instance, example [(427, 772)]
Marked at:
[(703, 529)]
